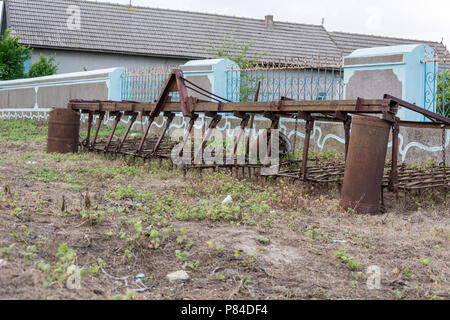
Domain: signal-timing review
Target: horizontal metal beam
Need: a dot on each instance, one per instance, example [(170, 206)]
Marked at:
[(429, 114), (350, 106), (425, 125)]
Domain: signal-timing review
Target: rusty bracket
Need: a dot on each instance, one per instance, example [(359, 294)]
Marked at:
[(175, 83), (305, 116), (187, 104), (240, 115), (359, 103), (389, 116), (280, 104), (343, 116), (275, 119)]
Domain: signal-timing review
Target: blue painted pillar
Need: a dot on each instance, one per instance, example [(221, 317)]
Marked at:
[(397, 70), (212, 75)]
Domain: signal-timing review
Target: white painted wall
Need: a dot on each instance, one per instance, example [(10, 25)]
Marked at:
[(76, 61)]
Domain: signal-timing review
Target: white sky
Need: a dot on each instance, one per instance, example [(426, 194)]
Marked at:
[(413, 19)]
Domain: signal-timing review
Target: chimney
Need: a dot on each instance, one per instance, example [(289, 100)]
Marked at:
[(269, 22)]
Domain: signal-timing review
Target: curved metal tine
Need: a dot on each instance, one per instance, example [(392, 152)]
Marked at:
[(347, 128), (252, 119), (151, 118), (86, 142), (170, 117), (214, 122), (111, 136), (97, 130), (309, 128), (244, 123), (124, 137), (274, 126), (188, 131)]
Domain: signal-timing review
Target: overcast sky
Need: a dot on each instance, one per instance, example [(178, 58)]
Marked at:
[(413, 19)]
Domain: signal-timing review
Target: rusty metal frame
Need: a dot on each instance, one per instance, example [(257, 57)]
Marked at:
[(191, 107), (310, 111)]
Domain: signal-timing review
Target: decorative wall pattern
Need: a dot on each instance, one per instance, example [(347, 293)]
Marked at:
[(320, 139), (27, 114)]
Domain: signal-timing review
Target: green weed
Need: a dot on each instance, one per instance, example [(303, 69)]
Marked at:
[(347, 259)]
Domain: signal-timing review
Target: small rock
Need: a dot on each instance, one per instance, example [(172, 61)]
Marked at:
[(231, 272), (98, 292), (264, 241), (2, 263), (227, 200), (178, 276)]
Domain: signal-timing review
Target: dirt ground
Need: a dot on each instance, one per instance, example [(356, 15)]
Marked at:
[(127, 225)]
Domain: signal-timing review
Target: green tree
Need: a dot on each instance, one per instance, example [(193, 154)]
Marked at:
[(443, 94), (237, 52), (44, 67), (12, 57), (240, 54)]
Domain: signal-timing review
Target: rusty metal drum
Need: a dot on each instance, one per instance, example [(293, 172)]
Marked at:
[(63, 131), (365, 163)]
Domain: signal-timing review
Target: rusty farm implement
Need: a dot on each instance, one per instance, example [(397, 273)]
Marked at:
[(364, 173)]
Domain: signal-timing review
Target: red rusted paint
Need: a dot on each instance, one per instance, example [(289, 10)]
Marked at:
[(63, 131), (365, 164)]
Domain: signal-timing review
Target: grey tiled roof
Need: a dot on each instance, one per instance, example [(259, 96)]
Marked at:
[(146, 31), (349, 42), (158, 32)]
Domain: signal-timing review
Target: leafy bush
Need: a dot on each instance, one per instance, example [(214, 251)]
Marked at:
[(44, 67), (240, 54), (443, 94), (12, 57)]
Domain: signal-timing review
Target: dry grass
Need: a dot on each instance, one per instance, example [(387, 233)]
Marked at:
[(276, 240)]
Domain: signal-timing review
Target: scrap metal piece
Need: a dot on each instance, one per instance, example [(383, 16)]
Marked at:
[(365, 164), (63, 131)]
